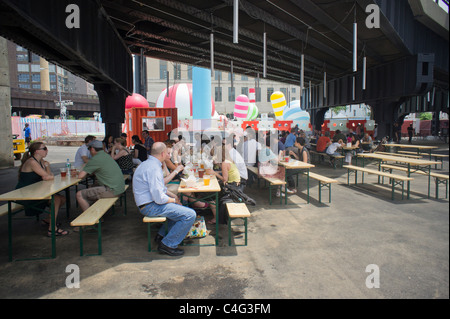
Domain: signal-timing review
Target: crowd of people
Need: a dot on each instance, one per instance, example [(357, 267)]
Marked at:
[(157, 168)]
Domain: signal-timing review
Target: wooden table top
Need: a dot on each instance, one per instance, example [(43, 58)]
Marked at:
[(40, 190), (293, 164), (413, 161), (200, 187), (422, 147)]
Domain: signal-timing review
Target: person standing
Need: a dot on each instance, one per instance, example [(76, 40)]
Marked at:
[(410, 133), (27, 134), (153, 199), (148, 141)]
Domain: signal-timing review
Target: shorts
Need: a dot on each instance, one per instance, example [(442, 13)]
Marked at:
[(27, 139), (92, 194)]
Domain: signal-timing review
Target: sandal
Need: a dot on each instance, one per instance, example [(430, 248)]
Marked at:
[(58, 232)]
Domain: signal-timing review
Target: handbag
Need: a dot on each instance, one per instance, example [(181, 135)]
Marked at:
[(198, 229)]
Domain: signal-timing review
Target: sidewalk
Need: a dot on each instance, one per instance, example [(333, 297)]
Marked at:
[(300, 251)]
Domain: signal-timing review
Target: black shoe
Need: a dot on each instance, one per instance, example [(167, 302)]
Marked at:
[(170, 251), (158, 238)]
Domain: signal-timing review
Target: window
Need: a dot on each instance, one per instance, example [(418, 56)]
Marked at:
[(35, 68), (52, 78), (162, 70), (35, 78), (218, 94), (293, 90), (269, 93), (24, 86), (153, 123), (177, 71), (229, 77), (284, 91), (217, 75), (22, 57), (21, 49), (258, 94), (189, 72), (23, 68), (24, 77), (37, 86), (231, 94), (244, 90), (244, 78)]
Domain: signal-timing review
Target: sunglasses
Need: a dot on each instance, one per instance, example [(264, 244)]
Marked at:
[(44, 148)]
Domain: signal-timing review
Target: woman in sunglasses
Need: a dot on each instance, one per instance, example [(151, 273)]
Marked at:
[(34, 169)]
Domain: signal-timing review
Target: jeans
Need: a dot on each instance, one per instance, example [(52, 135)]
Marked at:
[(180, 220)]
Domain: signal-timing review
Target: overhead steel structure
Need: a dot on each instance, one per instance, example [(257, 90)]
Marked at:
[(405, 55)]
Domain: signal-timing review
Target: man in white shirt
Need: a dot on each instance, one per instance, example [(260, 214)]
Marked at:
[(153, 199), (83, 154)]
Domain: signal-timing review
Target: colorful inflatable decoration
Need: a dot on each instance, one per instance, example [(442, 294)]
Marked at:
[(295, 113), (278, 104), (136, 100), (253, 111), (241, 107), (180, 96)]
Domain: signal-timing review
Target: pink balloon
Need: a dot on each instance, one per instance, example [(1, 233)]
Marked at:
[(241, 106), (136, 100)]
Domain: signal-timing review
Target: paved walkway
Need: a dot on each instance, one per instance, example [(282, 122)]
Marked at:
[(299, 251)]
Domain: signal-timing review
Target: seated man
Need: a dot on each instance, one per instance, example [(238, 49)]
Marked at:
[(108, 175), (323, 142), (153, 199), (83, 155), (332, 150)]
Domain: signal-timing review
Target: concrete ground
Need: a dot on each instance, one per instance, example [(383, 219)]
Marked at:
[(298, 251)]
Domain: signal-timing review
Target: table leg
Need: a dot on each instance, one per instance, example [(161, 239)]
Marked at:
[(53, 224), (9, 231), (429, 179), (307, 182), (217, 219), (408, 184)]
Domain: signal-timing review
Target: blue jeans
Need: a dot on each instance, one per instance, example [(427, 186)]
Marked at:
[(180, 220)]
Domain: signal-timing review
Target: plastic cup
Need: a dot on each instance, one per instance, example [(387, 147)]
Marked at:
[(286, 159), (63, 172), (200, 173), (206, 180)]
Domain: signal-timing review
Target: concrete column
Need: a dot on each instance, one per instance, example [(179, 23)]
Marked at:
[(6, 142), (45, 76)]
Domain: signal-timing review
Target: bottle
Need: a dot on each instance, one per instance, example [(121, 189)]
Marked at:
[(68, 166)]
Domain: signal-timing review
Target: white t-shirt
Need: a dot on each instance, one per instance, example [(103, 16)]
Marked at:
[(82, 151), (239, 162), (249, 151), (332, 148)]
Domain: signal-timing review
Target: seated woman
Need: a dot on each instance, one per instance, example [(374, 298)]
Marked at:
[(140, 152), (355, 142), (170, 172), (122, 156), (108, 143), (34, 169)]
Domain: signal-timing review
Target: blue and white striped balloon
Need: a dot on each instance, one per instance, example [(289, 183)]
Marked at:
[(295, 113)]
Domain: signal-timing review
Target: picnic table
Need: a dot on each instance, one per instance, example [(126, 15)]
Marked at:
[(39, 191), (413, 165), (419, 148), (294, 164), (209, 192)]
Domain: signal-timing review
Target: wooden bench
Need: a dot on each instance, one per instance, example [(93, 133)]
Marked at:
[(319, 154), (235, 211), (400, 154), (437, 157), (396, 179), (323, 182), (150, 221), (438, 178), (272, 182), (92, 216), (15, 208)]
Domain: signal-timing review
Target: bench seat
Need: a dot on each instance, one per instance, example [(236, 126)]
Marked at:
[(150, 221), (323, 182), (272, 181), (237, 210), (91, 217), (396, 179)]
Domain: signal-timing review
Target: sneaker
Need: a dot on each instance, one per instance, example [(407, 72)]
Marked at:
[(279, 194), (289, 191)]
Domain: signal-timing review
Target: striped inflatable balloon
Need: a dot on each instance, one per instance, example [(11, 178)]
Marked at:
[(241, 107), (278, 104), (253, 112)]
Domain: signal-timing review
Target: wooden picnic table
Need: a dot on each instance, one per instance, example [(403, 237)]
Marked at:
[(419, 148), (199, 187), (414, 164), (294, 164), (39, 191)]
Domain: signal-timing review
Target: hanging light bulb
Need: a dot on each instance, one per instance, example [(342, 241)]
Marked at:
[(364, 73), (236, 21), (355, 47), (264, 55)]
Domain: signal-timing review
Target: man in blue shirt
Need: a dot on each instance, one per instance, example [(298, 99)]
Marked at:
[(290, 139), (153, 199), (27, 131)]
